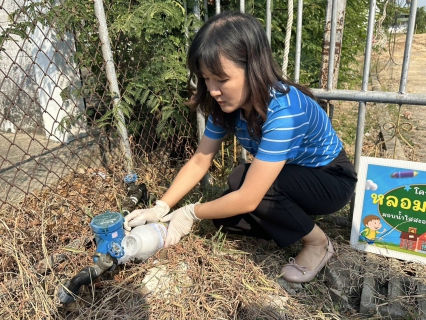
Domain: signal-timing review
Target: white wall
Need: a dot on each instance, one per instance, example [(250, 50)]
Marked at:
[(54, 71), (14, 66), (42, 67)]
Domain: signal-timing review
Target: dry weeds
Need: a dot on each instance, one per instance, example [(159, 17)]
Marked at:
[(49, 240)]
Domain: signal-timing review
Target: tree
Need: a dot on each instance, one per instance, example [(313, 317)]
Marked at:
[(394, 12), (421, 20)]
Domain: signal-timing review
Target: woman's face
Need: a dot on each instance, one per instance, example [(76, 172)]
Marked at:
[(230, 91)]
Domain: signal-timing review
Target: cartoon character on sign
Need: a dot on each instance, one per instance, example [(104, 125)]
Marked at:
[(372, 226)]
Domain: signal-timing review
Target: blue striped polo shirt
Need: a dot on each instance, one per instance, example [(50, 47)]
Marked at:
[(296, 129)]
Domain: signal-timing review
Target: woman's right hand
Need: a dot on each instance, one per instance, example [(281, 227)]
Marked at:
[(141, 216)]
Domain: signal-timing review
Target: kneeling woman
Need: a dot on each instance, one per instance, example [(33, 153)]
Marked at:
[(299, 168)]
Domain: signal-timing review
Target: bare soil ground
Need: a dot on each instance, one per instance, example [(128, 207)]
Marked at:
[(412, 118), (28, 163)]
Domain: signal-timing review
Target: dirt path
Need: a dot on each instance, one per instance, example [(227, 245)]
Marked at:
[(412, 118), (29, 164)]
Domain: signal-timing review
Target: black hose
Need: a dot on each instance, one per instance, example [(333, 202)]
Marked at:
[(71, 288)]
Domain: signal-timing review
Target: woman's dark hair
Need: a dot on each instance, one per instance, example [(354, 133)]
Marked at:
[(240, 38)]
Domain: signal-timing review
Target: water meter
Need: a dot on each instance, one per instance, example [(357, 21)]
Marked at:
[(109, 232)]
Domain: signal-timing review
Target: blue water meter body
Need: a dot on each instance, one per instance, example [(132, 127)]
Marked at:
[(109, 232)]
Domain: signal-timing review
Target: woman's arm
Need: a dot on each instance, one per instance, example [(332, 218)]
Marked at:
[(193, 171), (259, 179)]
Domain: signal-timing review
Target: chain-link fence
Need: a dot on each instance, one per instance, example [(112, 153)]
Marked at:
[(70, 101)]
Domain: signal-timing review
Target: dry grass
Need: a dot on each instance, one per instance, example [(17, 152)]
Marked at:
[(210, 276), (48, 240)]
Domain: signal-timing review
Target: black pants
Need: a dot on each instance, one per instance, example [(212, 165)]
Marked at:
[(298, 193)]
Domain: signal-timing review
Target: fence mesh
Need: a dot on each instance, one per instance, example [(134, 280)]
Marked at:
[(57, 116)]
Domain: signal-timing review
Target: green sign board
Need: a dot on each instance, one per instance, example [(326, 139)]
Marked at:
[(390, 208)]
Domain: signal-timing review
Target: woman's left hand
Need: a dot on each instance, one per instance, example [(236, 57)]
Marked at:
[(181, 221)]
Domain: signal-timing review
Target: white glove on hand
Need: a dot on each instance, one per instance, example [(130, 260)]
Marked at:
[(141, 216), (181, 221)]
